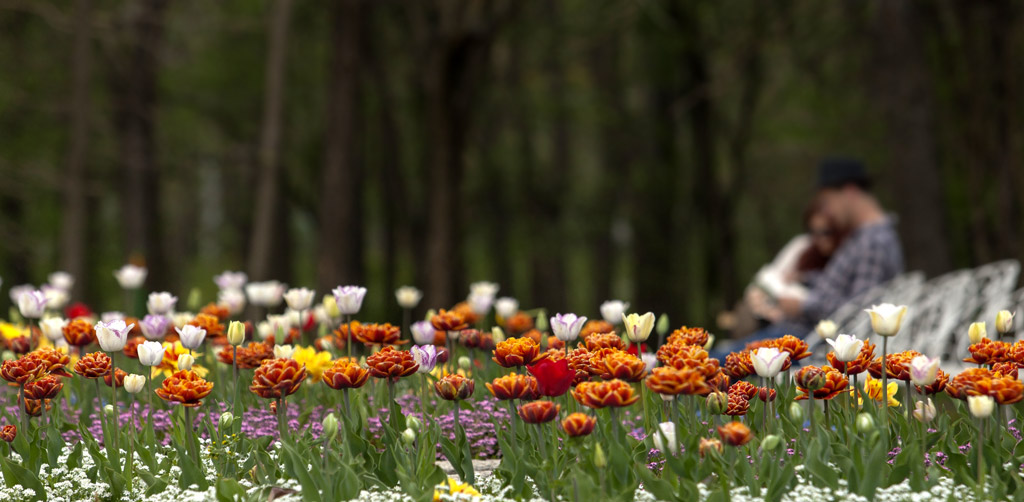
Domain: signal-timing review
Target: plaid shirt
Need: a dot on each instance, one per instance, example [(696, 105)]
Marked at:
[(870, 256)]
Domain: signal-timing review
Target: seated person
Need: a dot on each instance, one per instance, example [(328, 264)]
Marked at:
[(870, 254)]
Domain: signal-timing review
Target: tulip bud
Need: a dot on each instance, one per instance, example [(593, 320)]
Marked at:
[(1004, 322), (408, 436), (826, 329), (810, 378), (465, 363), (8, 356), (600, 461), (542, 321), (108, 410), (330, 426), (331, 307), (770, 442), (796, 412), (663, 326), (413, 423), (226, 419), (717, 402), (497, 334), (710, 343), (236, 333), (977, 332), (185, 362), (865, 423), (430, 313)]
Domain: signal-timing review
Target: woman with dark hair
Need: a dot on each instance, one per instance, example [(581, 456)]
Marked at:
[(788, 274)]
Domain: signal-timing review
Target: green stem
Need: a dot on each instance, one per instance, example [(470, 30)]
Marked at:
[(115, 431), (981, 460), (885, 391), (282, 426)]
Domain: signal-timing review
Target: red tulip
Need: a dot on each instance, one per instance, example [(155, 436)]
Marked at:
[(632, 349), (553, 377), (77, 310)]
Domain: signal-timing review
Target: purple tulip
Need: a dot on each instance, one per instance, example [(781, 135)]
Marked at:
[(425, 356), (154, 327)]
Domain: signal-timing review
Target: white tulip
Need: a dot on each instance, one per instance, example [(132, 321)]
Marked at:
[(826, 329), (181, 319), (161, 303), (638, 327), (924, 371), (408, 297), (567, 326), (283, 351), (185, 362), (484, 288), (349, 298), (977, 332), (886, 318), (112, 335), (846, 347), (61, 280), (1004, 321), (55, 298), (981, 406), (16, 291), (230, 280), (768, 361), (650, 359), (299, 298), (191, 336), (264, 330), (53, 328), (924, 411), (612, 311), (133, 383), (480, 304), (506, 307), (265, 294), (32, 304), (665, 439), (422, 332), (130, 276), (233, 299), (112, 316), (151, 353)]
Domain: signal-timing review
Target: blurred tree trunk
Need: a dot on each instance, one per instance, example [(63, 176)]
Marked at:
[(341, 220), (74, 214), (134, 86), (268, 249), (549, 185), (899, 81), (456, 37)]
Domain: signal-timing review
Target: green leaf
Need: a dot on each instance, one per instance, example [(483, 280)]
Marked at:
[(15, 474)]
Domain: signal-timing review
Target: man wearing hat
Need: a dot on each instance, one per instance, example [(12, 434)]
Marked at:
[(869, 256)]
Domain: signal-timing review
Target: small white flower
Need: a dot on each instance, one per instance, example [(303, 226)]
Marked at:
[(886, 318), (977, 332), (112, 335), (422, 332), (408, 297), (1004, 321), (61, 280), (665, 439), (130, 276), (233, 299), (981, 406), (185, 362), (283, 351), (150, 353), (567, 326), (55, 298), (826, 329), (638, 327), (924, 411), (53, 328), (768, 361), (484, 288), (612, 311), (161, 303), (480, 304), (846, 347), (32, 304), (230, 280), (924, 371), (506, 307), (299, 298), (265, 294), (133, 383), (349, 298)]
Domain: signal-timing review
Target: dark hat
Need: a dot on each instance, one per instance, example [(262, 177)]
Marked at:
[(835, 172)]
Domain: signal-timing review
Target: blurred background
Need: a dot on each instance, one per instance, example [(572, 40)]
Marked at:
[(574, 151)]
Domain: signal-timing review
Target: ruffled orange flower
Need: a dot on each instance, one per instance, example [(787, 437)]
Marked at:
[(516, 352), (79, 332), (694, 357), (738, 405), (697, 337), (185, 387), (1005, 369), (538, 412), (93, 365), (519, 323), (341, 335), (22, 370), (671, 381), (119, 375), (796, 347), (596, 326), (379, 334), (514, 386), (988, 352), (599, 341), (345, 374), (835, 384), (447, 320), (578, 424), (614, 393), (982, 382), (623, 366), (735, 434), (391, 363), (738, 365), (743, 388), (46, 387), (719, 381), (277, 378), (55, 361), (34, 407), (579, 361), (966, 380), (463, 309), (211, 323), (8, 433), (454, 387), (217, 310), (857, 366), (249, 357)]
